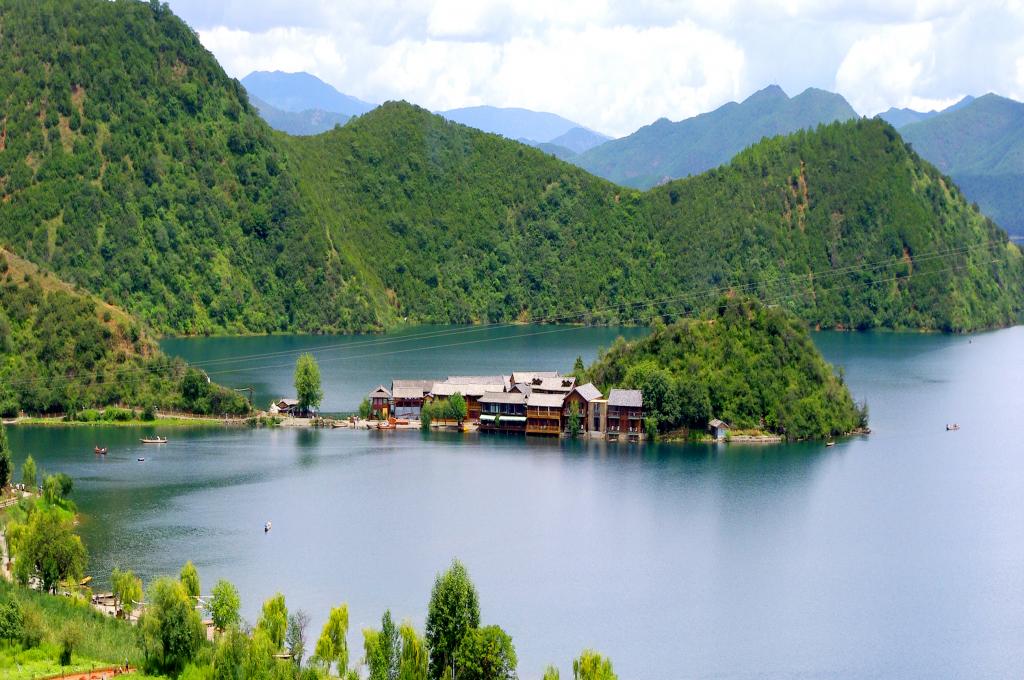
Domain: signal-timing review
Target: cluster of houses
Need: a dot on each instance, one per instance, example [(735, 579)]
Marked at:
[(525, 402)]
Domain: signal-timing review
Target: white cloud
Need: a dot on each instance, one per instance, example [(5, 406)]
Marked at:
[(885, 66)]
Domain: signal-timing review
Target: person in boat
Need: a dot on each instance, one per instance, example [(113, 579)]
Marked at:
[(266, 527)]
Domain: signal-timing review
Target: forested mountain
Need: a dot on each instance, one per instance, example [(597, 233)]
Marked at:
[(579, 139), (665, 150), (297, 92), (457, 225), (520, 124), (751, 366), (131, 165), (62, 349), (308, 122), (900, 117), (981, 145)]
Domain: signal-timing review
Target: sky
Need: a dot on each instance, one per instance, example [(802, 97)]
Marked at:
[(614, 66)]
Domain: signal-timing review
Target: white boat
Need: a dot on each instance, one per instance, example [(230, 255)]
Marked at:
[(154, 440), (267, 527)]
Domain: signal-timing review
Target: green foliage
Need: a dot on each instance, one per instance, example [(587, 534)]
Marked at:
[(70, 636), (136, 167), (486, 654), (6, 462), (382, 650), (592, 666), (414, 661), (11, 621), (274, 620), (47, 548), (550, 673), (749, 365), (332, 645), (224, 605), (170, 629), (365, 409), (453, 611), (295, 636), (307, 383), (189, 578), (57, 488), (575, 420), (456, 408), (127, 588)]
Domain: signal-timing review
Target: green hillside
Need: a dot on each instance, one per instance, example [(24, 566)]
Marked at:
[(840, 224), (132, 165), (981, 145), (62, 350), (667, 150), (754, 367)]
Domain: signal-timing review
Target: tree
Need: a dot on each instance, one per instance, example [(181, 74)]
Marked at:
[(170, 629), (414, 661), (307, 382), (295, 638), (578, 369), (57, 487), (574, 424), (456, 408), (486, 654), (6, 464), (550, 673), (127, 589), (224, 605), (365, 409), (592, 666), (332, 645), (29, 476), (453, 611), (274, 620), (382, 648), (50, 550), (189, 578)]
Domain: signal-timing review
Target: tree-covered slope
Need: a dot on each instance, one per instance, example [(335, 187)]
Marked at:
[(62, 349), (665, 150), (132, 165), (844, 224), (981, 145), (751, 366)]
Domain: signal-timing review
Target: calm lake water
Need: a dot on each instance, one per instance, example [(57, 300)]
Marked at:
[(896, 555)]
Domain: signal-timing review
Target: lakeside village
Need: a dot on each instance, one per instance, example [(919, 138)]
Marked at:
[(542, 403)]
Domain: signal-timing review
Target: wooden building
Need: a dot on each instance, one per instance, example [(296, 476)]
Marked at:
[(562, 384), (471, 392), (583, 396), (407, 397), (719, 429), (503, 412), (625, 414), (544, 413), (380, 401), (284, 406)]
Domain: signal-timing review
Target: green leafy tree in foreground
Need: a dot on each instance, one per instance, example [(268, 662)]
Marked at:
[(592, 666), (550, 673), (486, 654), (127, 589), (29, 475), (307, 382), (170, 629), (295, 637), (332, 645), (274, 620), (56, 488), (189, 578), (365, 409), (6, 464), (575, 421), (383, 649), (224, 605), (456, 408), (49, 549), (453, 611), (414, 660)]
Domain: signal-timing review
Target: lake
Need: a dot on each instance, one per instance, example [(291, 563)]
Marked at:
[(900, 554)]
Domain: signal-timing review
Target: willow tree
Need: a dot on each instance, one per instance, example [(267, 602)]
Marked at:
[(308, 390)]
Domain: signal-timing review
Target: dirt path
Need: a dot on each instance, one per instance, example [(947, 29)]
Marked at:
[(98, 674)]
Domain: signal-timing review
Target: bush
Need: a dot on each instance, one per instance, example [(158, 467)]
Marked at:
[(11, 622), (9, 409), (113, 413), (149, 413)]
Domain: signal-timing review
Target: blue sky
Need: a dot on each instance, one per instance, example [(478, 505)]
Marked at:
[(615, 66)]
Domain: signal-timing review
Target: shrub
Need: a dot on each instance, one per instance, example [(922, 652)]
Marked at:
[(113, 413), (89, 415)]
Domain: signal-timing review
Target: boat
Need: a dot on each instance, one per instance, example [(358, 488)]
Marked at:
[(386, 425), (830, 443), (101, 450), (267, 527), (951, 427), (140, 459), (154, 440)]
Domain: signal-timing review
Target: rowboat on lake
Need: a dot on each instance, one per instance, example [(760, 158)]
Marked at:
[(101, 450), (154, 440), (950, 427)]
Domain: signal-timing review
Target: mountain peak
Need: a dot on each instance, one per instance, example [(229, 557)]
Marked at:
[(301, 91), (771, 93)]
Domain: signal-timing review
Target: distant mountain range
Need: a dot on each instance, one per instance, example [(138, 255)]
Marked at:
[(900, 117), (531, 127), (980, 144), (308, 122), (665, 150), (298, 92)]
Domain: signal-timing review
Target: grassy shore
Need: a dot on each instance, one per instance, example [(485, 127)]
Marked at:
[(163, 422)]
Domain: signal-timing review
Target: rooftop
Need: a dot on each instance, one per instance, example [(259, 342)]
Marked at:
[(555, 384), (589, 392), (503, 398), (447, 389), (541, 399), (477, 380), (380, 391), (630, 398), (528, 376)]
